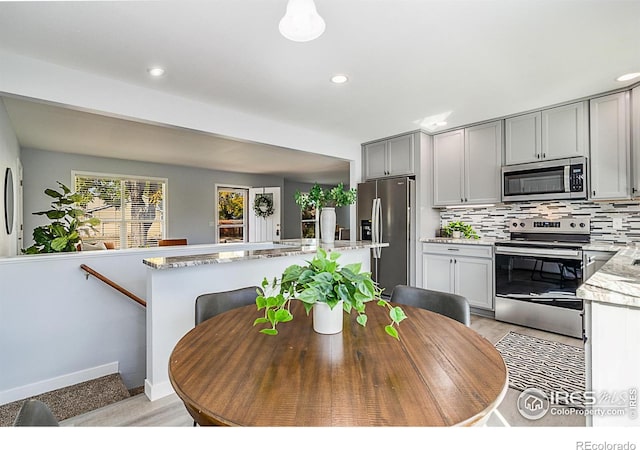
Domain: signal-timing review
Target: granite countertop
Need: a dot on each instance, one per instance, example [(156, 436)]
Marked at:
[(617, 282), (286, 247), (603, 247), (446, 240)]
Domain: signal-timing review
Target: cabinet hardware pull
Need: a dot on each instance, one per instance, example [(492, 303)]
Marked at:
[(544, 155), (450, 261), (453, 249), (455, 261), (461, 200), (594, 192)]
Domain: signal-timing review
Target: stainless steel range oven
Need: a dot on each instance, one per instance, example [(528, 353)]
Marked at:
[(537, 273)]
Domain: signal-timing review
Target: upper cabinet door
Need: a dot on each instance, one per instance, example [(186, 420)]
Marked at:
[(523, 139), (635, 140), (610, 147), (400, 155), (564, 131), (375, 160), (448, 168), (392, 157), (483, 159)]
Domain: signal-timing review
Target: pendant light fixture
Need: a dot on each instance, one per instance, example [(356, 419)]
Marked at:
[(301, 22)]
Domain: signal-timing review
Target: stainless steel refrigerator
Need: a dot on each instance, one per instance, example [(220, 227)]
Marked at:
[(386, 211)]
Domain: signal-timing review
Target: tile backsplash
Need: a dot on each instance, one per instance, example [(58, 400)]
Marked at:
[(492, 221)]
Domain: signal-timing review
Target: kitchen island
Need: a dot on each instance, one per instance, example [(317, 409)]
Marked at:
[(174, 282), (612, 330)]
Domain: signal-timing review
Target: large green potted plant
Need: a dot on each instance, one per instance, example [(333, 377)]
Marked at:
[(322, 284), (63, 233), (326, 200)]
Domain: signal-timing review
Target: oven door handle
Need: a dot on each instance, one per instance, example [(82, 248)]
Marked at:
[(540, 252)]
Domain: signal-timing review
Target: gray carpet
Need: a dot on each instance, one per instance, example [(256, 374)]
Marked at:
[(73, 400), (543, 364)]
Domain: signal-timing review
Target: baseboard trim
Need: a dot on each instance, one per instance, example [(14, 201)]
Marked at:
[(51, 384), (158, 390)]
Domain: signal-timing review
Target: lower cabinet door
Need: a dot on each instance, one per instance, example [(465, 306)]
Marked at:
[(473, 279), (437, 273)]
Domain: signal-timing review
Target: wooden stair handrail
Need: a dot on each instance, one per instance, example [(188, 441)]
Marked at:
[(114, 285)]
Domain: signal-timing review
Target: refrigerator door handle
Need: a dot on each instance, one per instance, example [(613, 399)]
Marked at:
[(375, 223), (379, 217)]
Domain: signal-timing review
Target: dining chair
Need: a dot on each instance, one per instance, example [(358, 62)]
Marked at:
[(34, 413), (169, 242), (212, 304), (451, 305)]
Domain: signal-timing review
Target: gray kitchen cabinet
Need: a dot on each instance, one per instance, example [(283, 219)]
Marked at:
[(466, 165), (465, 270), (552, 133), (482, 162), (523, 138), (448, 167), (635, 140), (609, 165), (391, 157)]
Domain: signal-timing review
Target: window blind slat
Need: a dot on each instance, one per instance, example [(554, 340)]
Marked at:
[(131, 210)]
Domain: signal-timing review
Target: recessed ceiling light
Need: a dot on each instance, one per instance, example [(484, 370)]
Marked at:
[(155, 71), (628, 76), (339, 79)]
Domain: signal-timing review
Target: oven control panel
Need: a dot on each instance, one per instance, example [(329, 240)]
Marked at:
[(574, 225)]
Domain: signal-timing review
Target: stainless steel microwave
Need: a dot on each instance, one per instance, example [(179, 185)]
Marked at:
[(560, 179)]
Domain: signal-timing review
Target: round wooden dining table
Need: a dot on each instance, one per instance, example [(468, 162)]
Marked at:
[(440, 372)]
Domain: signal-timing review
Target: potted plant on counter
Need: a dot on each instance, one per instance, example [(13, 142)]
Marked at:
[(459, 229), (327, 200), (326, 288)]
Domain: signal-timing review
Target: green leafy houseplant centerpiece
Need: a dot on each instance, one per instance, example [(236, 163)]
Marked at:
[(322, 281), (326, 200), (63, 233)]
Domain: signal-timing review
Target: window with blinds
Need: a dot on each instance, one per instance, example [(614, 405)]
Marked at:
[(132, 210)]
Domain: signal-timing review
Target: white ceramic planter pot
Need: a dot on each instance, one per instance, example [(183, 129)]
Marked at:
[(327, 320), (328, 225), (457, 234)]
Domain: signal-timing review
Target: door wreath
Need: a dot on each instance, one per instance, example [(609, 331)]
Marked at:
[(263, 205)]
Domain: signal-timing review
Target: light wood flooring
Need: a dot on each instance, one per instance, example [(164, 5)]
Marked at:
[(138, 411)]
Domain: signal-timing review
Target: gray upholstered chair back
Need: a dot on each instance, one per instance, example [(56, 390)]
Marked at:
[(450, 305), (209, 305), (34, 413)]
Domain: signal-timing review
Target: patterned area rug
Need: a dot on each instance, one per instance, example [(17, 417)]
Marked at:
[(546, 365)]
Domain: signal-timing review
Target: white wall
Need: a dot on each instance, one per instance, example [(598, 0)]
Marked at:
[(57, 328), (9, 154)]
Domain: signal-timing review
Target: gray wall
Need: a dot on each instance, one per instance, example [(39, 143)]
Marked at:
[(190, 198), (9, 154), (291, 221)]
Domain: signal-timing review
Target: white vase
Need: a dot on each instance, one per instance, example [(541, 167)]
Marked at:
[(327, 320), (328, 225)]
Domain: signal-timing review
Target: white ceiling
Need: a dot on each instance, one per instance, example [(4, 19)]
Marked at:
[(406, 59)]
